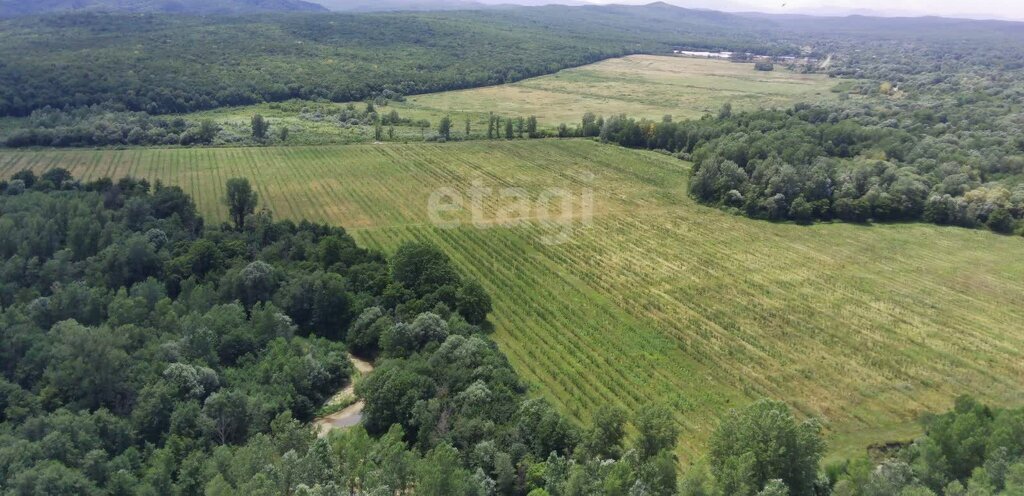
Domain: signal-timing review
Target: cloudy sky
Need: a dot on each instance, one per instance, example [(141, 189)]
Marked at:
[(996, 8), (984, 9)]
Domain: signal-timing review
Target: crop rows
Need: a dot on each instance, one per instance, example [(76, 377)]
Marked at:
[(658, 299)]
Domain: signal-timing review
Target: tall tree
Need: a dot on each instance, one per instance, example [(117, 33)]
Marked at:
[(726, 111), (207, 131), (590, 126), (473, 302), (444, 128), (604, 440), (260, 127), (531, 126), (658, 431), (765, 442), (240, 199), (229, 414), (422, 268)]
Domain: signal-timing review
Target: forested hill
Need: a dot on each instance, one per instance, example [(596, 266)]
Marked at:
[(162, 63), (14, 8), (922, 28), (165, 64)]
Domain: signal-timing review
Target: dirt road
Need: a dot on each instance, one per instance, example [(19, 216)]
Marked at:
[(353, 413)]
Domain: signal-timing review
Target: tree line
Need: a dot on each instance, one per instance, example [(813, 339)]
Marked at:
[(818, 163), (107, 125)]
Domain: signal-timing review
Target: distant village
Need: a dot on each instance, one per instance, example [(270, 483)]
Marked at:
[(747, 57)]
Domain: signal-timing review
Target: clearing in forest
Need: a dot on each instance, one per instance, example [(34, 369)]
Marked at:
[(648, 86)]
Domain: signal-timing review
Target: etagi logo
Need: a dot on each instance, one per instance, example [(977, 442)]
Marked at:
[(557, 211)]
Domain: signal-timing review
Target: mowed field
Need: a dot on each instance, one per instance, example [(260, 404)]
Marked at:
[(641, 86), (648, 86), (652, 297)]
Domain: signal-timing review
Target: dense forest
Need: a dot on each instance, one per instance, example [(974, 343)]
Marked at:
[(117, 72), (183, 63), (146, 352), (929, 132), (171, 64)]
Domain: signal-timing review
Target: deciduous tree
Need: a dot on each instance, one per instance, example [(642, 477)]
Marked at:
[(240, 199)]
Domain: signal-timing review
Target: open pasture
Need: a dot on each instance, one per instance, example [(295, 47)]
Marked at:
[(650, 86), (653, 297)]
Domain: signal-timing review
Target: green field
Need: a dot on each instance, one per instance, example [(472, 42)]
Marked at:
[(658, 298), (648, 86)]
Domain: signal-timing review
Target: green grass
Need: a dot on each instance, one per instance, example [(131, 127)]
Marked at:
[(640, 86), (660, 299)]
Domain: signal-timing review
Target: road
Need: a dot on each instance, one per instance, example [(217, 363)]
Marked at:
[(350, 415)]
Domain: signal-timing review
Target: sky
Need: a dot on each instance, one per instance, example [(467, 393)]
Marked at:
[(978, 9)]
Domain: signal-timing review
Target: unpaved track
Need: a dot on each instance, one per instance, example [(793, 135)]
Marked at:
[(352, 414)]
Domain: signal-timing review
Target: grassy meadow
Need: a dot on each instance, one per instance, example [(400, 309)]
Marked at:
[(652, 297), (650, 86)]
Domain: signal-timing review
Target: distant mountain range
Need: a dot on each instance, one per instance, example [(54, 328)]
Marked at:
[(14, 8), (731, 6), (788, 8), (395, 5), (426, 5)]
